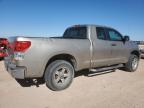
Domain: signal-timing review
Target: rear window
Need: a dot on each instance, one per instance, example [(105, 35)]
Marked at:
[(76, 33)]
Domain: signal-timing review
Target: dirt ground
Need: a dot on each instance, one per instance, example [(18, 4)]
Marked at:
[(117, 89)]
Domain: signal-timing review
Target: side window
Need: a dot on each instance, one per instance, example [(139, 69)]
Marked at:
[(114, 35), (100, 33)]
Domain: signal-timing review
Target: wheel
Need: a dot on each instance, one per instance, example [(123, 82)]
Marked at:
[(132, 63), (59, 75)]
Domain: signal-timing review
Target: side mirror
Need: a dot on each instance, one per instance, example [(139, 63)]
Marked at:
[(126, 38)]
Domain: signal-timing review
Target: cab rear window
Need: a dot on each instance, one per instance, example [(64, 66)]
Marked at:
[(76, 33)]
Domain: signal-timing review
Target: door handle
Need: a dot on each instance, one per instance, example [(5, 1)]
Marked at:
[(113, 44)]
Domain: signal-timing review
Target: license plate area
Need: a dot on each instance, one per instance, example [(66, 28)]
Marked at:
[(19, 56)]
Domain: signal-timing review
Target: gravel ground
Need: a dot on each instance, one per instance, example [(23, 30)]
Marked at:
[(117, 89)]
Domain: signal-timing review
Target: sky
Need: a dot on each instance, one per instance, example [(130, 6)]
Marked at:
[(52, 17)]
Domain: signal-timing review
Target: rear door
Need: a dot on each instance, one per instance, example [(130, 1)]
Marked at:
[(118, 47), (101, 48)]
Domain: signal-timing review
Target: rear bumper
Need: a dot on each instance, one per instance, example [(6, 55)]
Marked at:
[(16, 72)]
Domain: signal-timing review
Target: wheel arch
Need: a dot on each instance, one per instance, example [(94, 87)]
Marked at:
[(67, 57), (135, 52)]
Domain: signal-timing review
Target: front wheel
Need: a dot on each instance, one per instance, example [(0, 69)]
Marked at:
[(59, 75), (132, 64)]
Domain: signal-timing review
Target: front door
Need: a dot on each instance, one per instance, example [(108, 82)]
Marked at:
[(118, 47)]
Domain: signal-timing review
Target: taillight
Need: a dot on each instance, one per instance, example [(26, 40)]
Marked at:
[(3, 54), (21, 46), (4, 41)]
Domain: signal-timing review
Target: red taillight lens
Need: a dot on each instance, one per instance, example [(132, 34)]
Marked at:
[(21, 46), (2, 54), (3, 41)]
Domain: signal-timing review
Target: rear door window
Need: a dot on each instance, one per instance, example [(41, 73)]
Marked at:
[(101, 33)]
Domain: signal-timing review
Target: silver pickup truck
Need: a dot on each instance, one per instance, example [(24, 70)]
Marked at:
[(57, 59)]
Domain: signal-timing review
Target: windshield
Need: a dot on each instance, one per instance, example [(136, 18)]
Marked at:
[(76, 33)]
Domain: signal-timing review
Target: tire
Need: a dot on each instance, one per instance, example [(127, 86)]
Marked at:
[(59, 75), (132, 63)]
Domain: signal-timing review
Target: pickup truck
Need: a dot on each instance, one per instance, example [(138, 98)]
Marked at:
[(57, 59)]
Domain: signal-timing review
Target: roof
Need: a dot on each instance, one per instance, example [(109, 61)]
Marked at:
[(83, 25)]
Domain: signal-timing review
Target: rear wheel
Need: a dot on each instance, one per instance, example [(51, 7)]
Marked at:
[(132, 64), (59, 75)]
